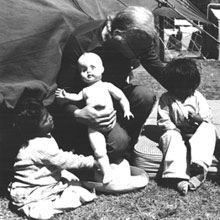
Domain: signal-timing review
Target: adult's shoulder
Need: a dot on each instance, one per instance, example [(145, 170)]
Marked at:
[(87, 27)]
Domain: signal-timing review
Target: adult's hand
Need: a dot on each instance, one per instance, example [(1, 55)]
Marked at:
[(102, 120)]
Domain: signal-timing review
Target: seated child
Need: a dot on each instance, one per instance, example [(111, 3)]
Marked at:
[(98, 93), (189, 136), (39, 188)]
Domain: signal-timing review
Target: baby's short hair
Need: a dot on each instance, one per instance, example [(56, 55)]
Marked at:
[(28, 113)]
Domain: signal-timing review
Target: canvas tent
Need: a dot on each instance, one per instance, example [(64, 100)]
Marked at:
[(36, 31), (100, 8), (31, 44)]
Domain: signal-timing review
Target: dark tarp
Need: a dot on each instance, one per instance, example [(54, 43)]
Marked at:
[(100, 8), (33, 33)]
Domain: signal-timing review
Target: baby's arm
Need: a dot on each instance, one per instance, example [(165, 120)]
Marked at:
[(119, 95), (61, 93)]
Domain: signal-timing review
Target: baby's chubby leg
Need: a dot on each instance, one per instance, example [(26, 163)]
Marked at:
[(98, 144), (106, 169)]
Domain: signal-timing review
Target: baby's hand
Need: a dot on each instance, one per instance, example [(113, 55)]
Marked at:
[(60, 93), (128, 115)]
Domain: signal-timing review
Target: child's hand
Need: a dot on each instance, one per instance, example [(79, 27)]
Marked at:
[(194, 119), (60, 93), (128, 115), (96, 164)]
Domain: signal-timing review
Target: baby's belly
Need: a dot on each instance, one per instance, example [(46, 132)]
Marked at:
[(101, 104)]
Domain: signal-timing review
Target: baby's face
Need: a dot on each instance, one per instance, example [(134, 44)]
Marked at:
[(90, 70)]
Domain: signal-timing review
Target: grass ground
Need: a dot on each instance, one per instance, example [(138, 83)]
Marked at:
[(153, 202)]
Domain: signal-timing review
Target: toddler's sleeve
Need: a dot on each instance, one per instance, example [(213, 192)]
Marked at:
[(163, 115)]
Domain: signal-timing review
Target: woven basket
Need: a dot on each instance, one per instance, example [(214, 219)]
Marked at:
[(147, 156)]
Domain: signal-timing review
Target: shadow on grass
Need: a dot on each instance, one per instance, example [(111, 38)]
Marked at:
[(6, 177)]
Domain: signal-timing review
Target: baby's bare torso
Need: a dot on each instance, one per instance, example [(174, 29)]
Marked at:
[(98, 95)]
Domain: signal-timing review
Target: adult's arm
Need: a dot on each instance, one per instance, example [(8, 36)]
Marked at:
[(68, 78), (152, 63)]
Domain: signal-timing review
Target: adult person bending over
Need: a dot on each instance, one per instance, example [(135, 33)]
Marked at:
[(129, 36)]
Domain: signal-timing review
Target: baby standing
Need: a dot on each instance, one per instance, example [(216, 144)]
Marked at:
[(98, 94)]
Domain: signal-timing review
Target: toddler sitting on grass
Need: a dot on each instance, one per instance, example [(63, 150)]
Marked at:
[(189, 137), (39, 188)]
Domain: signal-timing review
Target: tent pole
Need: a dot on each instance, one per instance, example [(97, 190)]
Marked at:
[(167, 3), (161, 35)]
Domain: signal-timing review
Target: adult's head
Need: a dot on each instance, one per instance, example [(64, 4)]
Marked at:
[(133, 18), (132, 28)]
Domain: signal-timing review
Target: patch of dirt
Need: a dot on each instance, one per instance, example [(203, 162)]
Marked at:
[(210, 79)]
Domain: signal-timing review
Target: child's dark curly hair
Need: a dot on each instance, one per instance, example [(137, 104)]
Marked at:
[(27, 117), (182, 73)]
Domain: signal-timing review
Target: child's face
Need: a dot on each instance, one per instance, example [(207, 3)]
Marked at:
[(90, 71), (46, 124)]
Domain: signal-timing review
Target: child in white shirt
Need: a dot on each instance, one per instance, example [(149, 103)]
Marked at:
[(42, 186), (189, 136)]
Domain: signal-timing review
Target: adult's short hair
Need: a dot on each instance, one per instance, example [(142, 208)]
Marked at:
[(134, 17)]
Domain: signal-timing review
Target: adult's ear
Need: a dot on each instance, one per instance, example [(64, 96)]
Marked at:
[(118, 34), (109, 24)]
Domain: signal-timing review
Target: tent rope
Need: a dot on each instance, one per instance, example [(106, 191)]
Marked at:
[(170, 5), (122, 3), (165, 46), (172, 44)]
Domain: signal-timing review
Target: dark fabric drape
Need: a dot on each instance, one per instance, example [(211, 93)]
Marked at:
[(33, 34)]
